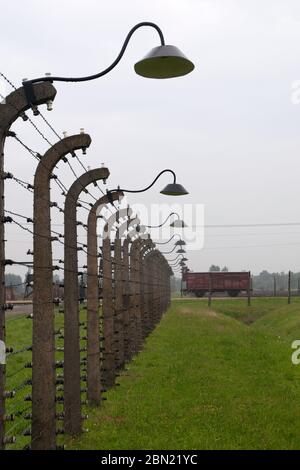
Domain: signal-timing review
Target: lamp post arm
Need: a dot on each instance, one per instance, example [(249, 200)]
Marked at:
[(169, 252), (175, 259), (148, 187), (158, 226), (175, 265), (108, 69), (165, 243)]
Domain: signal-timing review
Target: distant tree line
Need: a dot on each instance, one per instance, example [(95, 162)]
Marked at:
[(175, 284), (265, 281), (15, 281), (216, 269)]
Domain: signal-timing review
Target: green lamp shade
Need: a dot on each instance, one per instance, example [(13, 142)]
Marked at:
[(164, 62), (174, 189), (178, 224), (180, 243)]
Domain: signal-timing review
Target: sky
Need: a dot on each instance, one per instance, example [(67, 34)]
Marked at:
[(229, 129)]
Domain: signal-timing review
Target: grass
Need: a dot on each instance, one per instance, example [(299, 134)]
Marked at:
[(218, 378), (19, 336), (207, 381)]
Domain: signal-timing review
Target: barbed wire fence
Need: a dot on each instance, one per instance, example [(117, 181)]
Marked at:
[(67, 356)]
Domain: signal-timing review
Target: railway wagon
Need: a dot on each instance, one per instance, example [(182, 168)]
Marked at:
[(232, 283)]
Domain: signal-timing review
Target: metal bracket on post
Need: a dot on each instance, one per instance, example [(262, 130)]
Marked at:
[(30, 94)]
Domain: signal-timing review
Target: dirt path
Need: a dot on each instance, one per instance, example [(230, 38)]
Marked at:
[(19, 310)]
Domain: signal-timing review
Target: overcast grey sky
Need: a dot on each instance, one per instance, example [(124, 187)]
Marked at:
[(229, 129)]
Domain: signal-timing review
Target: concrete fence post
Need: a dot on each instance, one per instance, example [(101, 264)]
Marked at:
[(126, 299), (43, 353), (108, 363), (93, 324), (11, 109), (72, 419), (119, 308)]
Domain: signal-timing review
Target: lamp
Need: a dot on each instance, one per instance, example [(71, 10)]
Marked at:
[(180, 243), (164, 61), (174, 189), (178, 189), (180, 223), (173, 236)]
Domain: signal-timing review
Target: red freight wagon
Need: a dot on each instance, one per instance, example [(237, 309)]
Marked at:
[(200, 283)]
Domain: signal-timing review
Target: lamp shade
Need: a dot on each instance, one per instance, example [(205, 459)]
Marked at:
[(174, 189), (178, 224), (181, 251), (180, 242), (164, 62)]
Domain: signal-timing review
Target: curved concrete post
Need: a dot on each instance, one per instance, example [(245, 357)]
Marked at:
[(119, 307), (163, 279), (72, 401), (143, 244), (170, 274), (167, 280), (121, 303), (155, 261), (147, 244), (93, 326), (108, 362), (135, 314), (158, 287), (115, 311), (15, 105), (112, 312), (149, 261), (140, 295), (126, 299), (43, 353), (163, 286)]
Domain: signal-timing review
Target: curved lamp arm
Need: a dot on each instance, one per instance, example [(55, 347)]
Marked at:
[(148, 187), (175, 265), (165, 243), (108, 69), (175, 269), (158, 226), (169, 252), (175, 259)]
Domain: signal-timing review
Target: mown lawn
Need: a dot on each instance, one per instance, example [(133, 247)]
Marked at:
[(19, 336), (206, 379)]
